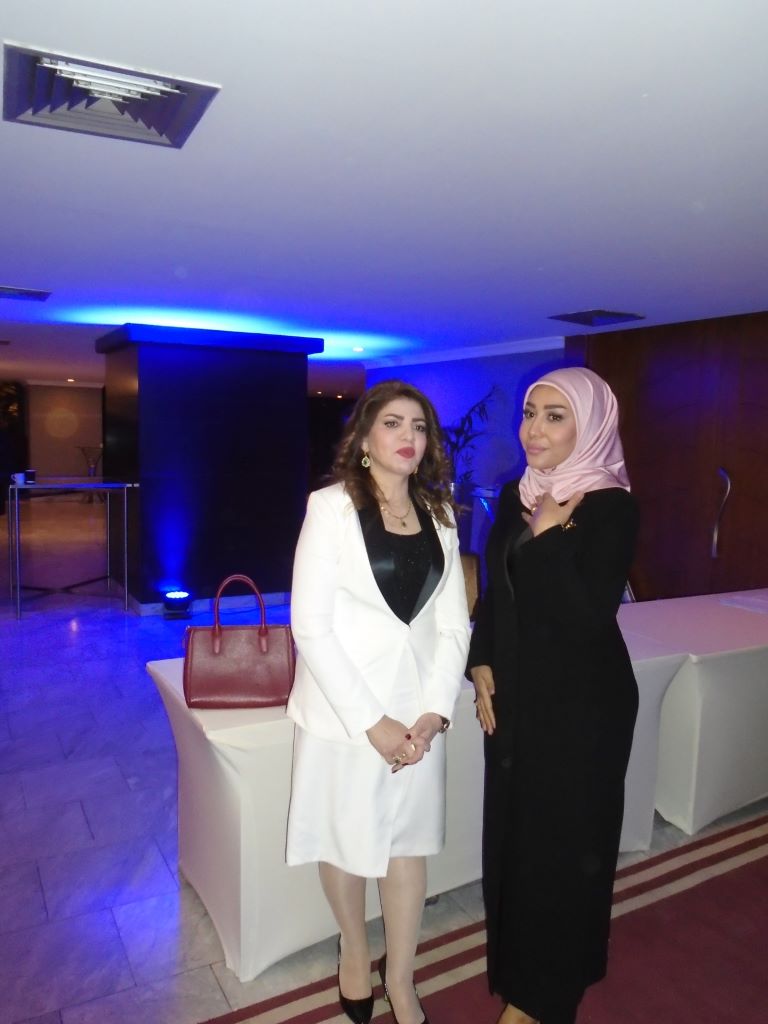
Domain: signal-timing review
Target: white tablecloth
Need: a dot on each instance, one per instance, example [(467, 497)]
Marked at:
[(713, 752)]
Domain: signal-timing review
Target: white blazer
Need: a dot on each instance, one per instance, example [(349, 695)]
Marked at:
[(351, 645)]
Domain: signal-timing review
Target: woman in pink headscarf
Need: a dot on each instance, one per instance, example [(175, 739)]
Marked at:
[(556, 699)]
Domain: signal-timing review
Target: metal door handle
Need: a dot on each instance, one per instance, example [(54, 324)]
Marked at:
[(716, 527)]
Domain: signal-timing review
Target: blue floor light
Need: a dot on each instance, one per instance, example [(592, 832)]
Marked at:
[(176, 604)]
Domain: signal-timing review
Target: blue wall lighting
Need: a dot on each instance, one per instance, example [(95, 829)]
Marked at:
[(336, 343), (176, 604)]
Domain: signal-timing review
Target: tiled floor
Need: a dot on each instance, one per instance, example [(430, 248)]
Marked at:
[(95, 923), (96, 927)]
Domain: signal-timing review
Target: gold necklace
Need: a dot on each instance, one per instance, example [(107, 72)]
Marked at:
[(393, 515)]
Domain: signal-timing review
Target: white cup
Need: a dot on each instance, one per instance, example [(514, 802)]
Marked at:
[(19, 478)]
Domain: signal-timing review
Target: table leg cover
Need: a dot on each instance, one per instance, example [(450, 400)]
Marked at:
[(713, 753), (653, 677)]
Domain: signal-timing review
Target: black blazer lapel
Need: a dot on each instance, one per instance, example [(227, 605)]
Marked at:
[(437, 561), (379, 552)]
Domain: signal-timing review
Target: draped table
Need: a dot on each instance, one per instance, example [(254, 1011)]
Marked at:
[(713, 751)]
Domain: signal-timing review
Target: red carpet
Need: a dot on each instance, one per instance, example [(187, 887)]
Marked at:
[(689, 946)]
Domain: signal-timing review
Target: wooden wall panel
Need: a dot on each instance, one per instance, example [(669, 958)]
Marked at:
[(743, 451), (693, 398)]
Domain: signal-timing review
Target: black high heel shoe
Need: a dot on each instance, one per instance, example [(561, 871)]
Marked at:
[(383, 976), (359, 1011)]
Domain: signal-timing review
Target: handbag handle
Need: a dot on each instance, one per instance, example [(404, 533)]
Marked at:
[(263, 631)]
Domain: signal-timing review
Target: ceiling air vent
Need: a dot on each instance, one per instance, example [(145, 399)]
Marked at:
[(597, 317), (56, 90)]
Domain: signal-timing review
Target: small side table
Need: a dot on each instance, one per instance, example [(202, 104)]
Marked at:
[(103, 487)]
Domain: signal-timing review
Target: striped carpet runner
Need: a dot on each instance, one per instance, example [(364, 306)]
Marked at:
[(672, 960)]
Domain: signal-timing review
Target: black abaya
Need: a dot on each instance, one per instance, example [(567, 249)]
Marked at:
[(565, 706)]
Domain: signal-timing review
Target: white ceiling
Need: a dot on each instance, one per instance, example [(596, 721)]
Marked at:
[(402, 175)]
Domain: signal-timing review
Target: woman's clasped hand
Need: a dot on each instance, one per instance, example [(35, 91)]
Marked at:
[(401, 746)]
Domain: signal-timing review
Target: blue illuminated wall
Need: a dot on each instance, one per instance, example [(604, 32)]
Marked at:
[(217, 438)]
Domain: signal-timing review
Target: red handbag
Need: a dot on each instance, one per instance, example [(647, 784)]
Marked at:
[(238, 666)]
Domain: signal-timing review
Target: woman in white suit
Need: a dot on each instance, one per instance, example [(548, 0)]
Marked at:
[(379, 617)]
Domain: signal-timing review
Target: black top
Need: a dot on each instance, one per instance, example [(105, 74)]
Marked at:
[(412, 559), (407, 567)]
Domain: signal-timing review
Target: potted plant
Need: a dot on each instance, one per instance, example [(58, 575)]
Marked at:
[(460, 440)]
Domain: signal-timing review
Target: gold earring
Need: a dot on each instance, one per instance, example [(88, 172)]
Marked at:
[(365, 462)]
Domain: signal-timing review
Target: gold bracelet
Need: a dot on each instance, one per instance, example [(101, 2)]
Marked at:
[(446, 724), (569, 525)]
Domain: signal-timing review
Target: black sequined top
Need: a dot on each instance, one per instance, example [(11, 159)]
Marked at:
[(412, 558)]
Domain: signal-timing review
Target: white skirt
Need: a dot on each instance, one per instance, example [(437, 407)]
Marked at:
[(348, 808)]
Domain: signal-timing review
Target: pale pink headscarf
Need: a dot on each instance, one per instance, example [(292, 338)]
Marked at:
[(597, 461)]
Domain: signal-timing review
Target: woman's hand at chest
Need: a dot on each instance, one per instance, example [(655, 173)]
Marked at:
[(547, 513)]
